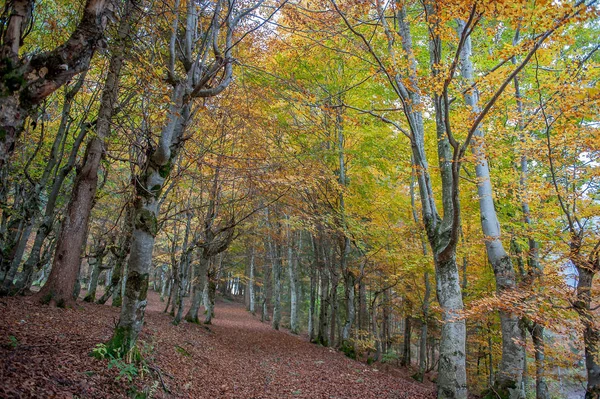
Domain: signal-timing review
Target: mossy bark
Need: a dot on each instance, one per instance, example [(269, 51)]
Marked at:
[(91, 294), (212, 289), (27, 81), (200, 271)]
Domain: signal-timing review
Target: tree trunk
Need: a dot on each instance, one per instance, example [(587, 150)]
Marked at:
[(120, 253), (265, 291), (374, 328), (322, 337), (423, 339), (164, 283), (312, 295), (145, 212), (14, 254), (509, 379), (184, 265), (211, 288), (350, 310), (276, 264), (362, 305), (33, 262), (251, 296), (200, 270), (84, 189), (184, 275), (8, 249), (452, 369), (93, 283), (541, 388), (591, 334), (334, 278), (406, 360), (64, 273), (293, 276), (535, 267), (31, 205), (20, 250), (170, 291), (117, 297)]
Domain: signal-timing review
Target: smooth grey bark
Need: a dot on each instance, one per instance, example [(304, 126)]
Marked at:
[(349, 281), (265, 291), (333, 300), (164, 283), (175, 267), (184, 266), (452, 345), (182, 288), (200, 270), (293, 277), (211, 288), (93, 282), (345, 247), (509, 377), (384, 335), (276, 255), (216, 241), (312, 294), (423, 338), (12, 228), (374, 328), (362, 305), (197, 82), (427, 295), (442, 233), (406, 353), (169, 293), (535, 267), (322, 335), (98, 259), (251, 278), (539, 347)]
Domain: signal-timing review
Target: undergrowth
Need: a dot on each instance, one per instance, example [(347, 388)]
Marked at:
[(132, 367)]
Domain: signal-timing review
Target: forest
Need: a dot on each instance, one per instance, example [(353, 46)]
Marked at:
[(300, 199)]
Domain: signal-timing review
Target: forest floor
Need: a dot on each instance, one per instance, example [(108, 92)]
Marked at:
[(44, 353)]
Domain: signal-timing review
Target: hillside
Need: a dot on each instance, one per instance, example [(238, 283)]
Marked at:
[(44, 352)]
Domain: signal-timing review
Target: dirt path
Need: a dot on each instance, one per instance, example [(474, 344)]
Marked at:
[(44, 353)]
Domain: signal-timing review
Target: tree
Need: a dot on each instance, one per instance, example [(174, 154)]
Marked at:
[(72, 236), (27, 81)]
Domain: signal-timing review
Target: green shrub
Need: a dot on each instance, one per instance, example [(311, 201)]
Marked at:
[(389, 357), (348, 349)]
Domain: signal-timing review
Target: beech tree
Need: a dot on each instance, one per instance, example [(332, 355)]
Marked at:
[(27, 81)]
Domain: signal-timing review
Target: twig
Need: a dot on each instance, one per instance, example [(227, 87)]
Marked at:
[(162, 382)]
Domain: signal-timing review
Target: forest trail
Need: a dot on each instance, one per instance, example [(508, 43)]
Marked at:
[(44, 353)]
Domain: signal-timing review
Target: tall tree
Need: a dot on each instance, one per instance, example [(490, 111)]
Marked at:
[(204, 69), (72, 234)]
